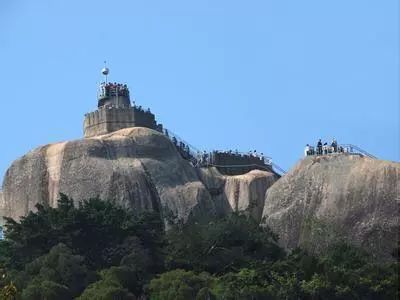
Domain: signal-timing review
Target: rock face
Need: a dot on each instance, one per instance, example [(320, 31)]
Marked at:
[(1, 208), (326, 197), (245, 193), (139, 168)]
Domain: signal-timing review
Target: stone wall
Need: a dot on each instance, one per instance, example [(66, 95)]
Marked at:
[(144, 118), (242, 163), (110, 119), (120, 101)]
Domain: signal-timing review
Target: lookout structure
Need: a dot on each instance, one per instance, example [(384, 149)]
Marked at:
[(115, 111)]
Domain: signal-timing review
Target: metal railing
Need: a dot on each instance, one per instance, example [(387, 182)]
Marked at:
[(205, 159), (265, 159), (340, 148), (357, 150), (279, 169)]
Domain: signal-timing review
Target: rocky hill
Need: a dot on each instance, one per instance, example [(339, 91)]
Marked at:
[(139, 168), (321, 199), (328, 197)]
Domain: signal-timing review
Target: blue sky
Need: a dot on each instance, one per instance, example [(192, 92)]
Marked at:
[(266, 75)]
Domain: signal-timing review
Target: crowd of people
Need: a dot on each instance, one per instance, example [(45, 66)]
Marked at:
[(183, 149), (204, 158), (141, 109), (114, 89), (323, 148)]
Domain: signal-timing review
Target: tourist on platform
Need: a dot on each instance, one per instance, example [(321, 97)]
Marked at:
[(312, 151), (325, 148), (319, 147), (334, 146), (307, 150)]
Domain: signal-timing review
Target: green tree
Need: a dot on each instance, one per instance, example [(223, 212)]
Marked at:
[(95, 229), (222, 245), (180, 285), (45, 289), (56, 275), (245, 284), (115, 283)]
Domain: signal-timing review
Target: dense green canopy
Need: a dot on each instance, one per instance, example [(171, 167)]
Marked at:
[(98, 250)]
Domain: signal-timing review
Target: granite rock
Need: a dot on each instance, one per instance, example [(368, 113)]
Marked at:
[(138, 168), (347, 196)]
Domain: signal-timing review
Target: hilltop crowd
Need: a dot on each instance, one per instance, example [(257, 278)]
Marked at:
[(323, 149), (114, 89)]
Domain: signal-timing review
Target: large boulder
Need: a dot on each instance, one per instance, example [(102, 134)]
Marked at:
[(139, 168), (244, 193), (325, 198)]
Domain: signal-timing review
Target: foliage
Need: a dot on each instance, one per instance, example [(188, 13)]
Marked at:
[(94, 235), (97, 250), (56, 275), (245, 284), (95, 229), (221, 245), (8, 292), (180, 285), (45, 289), (116, 283)]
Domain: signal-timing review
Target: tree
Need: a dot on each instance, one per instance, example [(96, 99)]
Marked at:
[(115, 283), (45, 289), (222, 245), (180, 285), (95, 230), (56, 275), (245, 284)]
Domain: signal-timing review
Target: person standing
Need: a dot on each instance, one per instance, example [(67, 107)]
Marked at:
[(319, 147), (334, 145), (307, 150)]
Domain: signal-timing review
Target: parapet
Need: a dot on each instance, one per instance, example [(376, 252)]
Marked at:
[(236, 163), (108, 119), (115, 112)]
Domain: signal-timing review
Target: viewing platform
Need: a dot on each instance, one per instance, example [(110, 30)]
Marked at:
[(349, 149), (115, 111), (227, 162)]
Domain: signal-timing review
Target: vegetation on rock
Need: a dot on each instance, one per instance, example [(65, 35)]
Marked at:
[(97, 250)]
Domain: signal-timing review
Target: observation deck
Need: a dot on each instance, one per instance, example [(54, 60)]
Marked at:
[(113, 94), (115, 112)]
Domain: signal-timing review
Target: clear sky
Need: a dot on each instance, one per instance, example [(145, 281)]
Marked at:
[(270, 75)]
